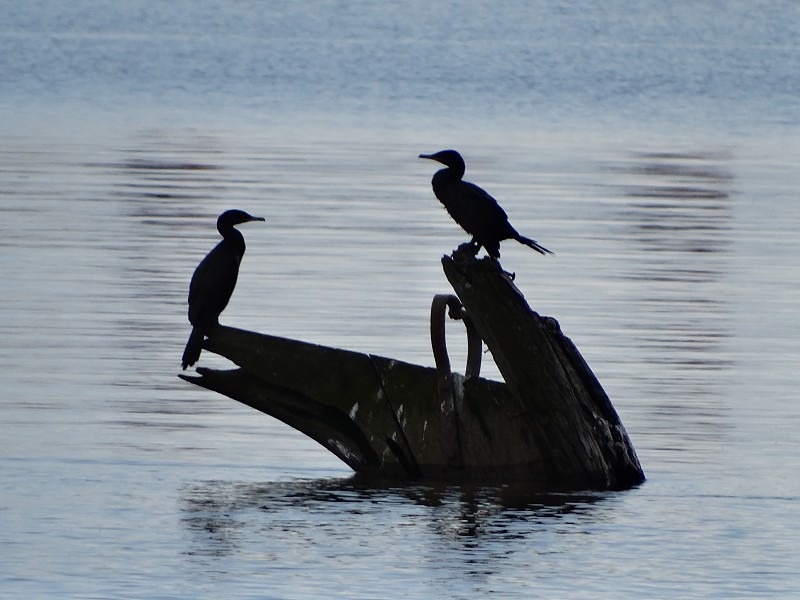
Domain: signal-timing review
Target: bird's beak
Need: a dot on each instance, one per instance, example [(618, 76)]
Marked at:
[(257, 219), (428, 156)]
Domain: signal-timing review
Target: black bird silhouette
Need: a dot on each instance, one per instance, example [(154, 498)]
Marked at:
[(473, 208), (213, 282)]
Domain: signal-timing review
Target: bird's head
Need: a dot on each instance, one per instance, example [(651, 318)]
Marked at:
[(234, 217), (449, 158)]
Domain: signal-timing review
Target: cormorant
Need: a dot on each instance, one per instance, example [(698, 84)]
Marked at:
[(473, 208), (213, 281)]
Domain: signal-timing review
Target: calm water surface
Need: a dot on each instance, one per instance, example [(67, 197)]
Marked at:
[(676, 239)]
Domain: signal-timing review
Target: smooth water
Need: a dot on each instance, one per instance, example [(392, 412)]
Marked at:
[(655, 151)]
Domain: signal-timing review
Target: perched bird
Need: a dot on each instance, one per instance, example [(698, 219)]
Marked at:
[(473, 208), (213, 281)]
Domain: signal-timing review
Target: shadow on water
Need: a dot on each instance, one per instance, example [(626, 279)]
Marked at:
[(224, 517), (677, 216)]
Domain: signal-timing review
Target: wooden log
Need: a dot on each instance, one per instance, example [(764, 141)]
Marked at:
[(550, 425), (573, 426)]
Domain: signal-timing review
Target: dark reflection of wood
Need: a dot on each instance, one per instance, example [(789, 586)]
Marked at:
[(221, 515)]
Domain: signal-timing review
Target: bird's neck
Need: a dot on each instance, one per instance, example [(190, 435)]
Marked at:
[(455, 172), (232, 236), (449, 174), (444, 178)]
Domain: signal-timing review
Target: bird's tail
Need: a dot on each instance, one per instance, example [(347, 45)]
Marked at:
[(193, 348), (532, 244)]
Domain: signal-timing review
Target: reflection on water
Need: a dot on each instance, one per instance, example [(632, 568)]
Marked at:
[(677, 215), (220, 512), (355, 535)]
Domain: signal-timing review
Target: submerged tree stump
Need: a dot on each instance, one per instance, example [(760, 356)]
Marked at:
[(550, 424), (567, 423)]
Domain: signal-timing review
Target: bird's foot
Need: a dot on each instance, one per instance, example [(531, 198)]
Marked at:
[(469, 247)]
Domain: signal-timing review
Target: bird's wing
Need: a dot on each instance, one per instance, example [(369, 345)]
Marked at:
[(483, 201), (476, 211), (212, 284)]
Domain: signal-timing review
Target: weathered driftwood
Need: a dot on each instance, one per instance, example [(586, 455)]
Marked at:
[(566, 425), (550, 424)]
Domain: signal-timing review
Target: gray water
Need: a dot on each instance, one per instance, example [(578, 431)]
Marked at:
[(655, 150)]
